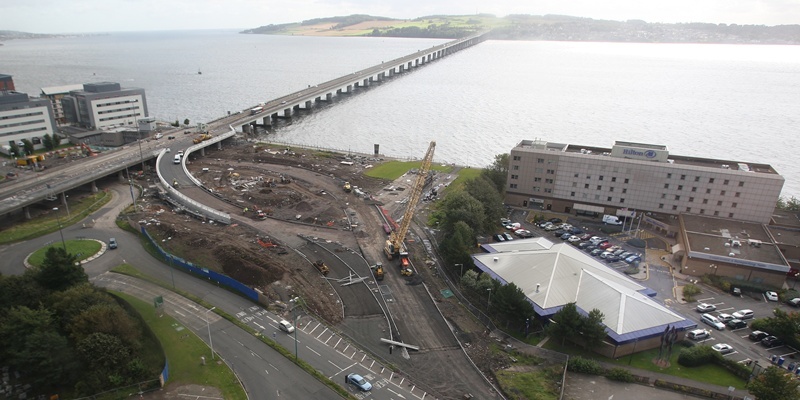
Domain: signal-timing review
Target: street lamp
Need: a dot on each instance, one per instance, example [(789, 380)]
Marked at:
[(210, 343), (59, 229), (66, 204), (714, 266), (489, 299), (296, 302)]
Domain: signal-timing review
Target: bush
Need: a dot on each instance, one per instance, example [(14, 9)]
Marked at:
[(621, 375), (585, 366), (697, 356), (689, 291)]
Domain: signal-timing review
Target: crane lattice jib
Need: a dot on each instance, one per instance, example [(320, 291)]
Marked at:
[(416, 193)]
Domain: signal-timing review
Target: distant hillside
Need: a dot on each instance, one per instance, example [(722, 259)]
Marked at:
[(537, 27), (8, 35)]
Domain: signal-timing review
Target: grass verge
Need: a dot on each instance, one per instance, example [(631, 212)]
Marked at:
[(394, 169), (183, 351), (50, 222), (84, 249), (709, 373)]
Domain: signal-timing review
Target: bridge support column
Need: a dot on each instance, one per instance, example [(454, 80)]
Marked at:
[(27, 211), (308, 104), (246, 128), (391, 72), (409, 65), (121, 177), (287, 112), (94, 186), (365, 83), (328, 96), (202, 151), (267, 121), (64, 199), (349, 88), (219, 146)]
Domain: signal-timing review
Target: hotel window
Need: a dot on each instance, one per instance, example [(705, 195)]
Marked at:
[(666, 186), (574, 184), (516, 168), (663, 195), (576, 175), (517, 158), (586, 186), (691, 199), (624, 190), (661, 205), (694, 189), (514, 176), (725, 182), (683, 177), (537, 179), (609, 198), (680, 187), (548, 190), (741, 183), (540, 160), (613, 179), (708, 191), (611, 189), (513, 186), (716, 213), (737, 194), (537, 189), (702, 211), (677, 197), (626, 180), (719, 203), (621, 200), (697, 179), (669, 175), (601, 177), (551, 171), (572, 194), (674, 208), (548, 181), (705, 201), (599, 187), (730, 215), (688, 209), (588, 177), (710, 180), (722, 193), (733, 205)]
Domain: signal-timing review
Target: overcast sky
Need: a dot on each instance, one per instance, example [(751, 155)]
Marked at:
[(70, 16)]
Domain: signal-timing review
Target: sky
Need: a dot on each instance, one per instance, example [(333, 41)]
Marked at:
[(77, 16)]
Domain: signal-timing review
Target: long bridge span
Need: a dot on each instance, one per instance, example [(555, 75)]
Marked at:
[(53, 185)]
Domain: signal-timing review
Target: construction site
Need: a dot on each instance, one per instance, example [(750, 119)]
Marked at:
[(306, 224)]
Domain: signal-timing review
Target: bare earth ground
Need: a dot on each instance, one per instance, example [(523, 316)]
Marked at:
[(302, 193)]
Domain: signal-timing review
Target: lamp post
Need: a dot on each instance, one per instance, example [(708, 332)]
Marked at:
[(66, 204), (489, 299), (210, 343), (713, 266), (130, 183), (297, 303), (462, 269), (59, 229), (169, 257)]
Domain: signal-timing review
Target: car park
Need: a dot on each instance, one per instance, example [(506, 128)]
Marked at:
[(736, 324), (559, 232), (552, 227), (586, 236), (112, 243), (589, 248), (504, 221), (618, 252), (544, 224), (286, 326), (705, 307), (612, 258), (722, 348), (698, 334), (359, 382), (625, 254), (525, 234), (584, 245), (713, 321), (508, 236), (576, 231), (771, 296), (597, 240), (724, 317), (756, 336), (743, 314), (604, 245), (555, 220), (771, 341)]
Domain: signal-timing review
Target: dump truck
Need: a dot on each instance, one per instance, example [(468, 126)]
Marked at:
[(322, 267), (377, 270), (201, 138)]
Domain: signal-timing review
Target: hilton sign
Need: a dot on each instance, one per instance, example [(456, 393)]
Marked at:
[(639, 154)]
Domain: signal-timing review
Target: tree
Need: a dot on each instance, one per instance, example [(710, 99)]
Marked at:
[(70, 303), (456, 247), (56, 140), (460, 206), (592, 329), (47, 141), (482, 189), (186, 121), (14, 149), (788, 204), (497, 173), (58, 271), (28, 146), (20, 291), (470, 279), (108, 318), (774, 384), (176, 123), (566, 323)]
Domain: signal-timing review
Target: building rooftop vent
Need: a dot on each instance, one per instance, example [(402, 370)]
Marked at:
[(496, 259), (732, 254)]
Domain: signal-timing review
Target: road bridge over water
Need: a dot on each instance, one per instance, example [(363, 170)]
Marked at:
[(16, 196)]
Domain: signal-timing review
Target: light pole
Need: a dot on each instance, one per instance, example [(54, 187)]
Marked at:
[(59, 229), (210, 343), (130, 183), (297, 303), (462, 269), (66, 204), (489, 299)]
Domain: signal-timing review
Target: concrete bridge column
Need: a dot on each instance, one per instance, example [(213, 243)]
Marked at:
[(219, 145), (349, 88), (267, 121), (94, 186), (246, 128), (202, 151), (308, 104), (391, 72), (401, 68), (366, 82), (121, 177), (64, 199), (287, 112), (409, 65), (27, 211), (329, 97)]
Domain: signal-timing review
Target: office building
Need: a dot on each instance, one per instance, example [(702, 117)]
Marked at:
[(23, 118), (577, 179), (104, 105), (55, 94), (6, 82)]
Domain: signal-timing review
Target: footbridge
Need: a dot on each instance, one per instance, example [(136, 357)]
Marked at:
[(54, 184)]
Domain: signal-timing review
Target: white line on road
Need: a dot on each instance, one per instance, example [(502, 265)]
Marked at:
[(337, 343), (345, 349), (267, 371), (397, 394), (274, 367), (323, 332), (259, 326), (313, 351), (337, 367), (179, 313), (705, 300)]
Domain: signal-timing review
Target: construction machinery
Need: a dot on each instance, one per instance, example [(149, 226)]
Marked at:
[(377, 270), (201, 138), (261, 215), (88, 150), (323, 269), (395, 246), (347, 187)]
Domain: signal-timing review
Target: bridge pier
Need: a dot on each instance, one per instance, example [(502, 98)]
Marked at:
[(27, 212), (121, 177), (349, 88), (287, 113), (94, 186), (365, 82), (202, 152), (246, 128), (308, 104), (329, 97), (267, 121), (219, 145)]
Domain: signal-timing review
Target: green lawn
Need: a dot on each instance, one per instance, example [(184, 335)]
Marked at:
[(395, 169), (183, 351), (48, 223), (710, 373), (86, 249)]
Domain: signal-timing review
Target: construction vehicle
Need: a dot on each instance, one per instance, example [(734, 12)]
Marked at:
[(377, 270), (322, 267), (201, 138), (87, 150), (266, 243), (261, 215), (347, 187), (395, 246)]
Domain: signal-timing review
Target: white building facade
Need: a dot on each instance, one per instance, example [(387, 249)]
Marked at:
[(24, 118), (635, 176), (103, 105)]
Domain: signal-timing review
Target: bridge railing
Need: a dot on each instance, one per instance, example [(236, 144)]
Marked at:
[(179, 197)]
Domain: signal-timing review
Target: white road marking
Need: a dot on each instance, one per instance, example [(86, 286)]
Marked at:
[(313, 351), (397, 394)]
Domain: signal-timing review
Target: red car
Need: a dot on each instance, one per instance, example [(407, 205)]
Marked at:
[(605, 245), (586, 236)]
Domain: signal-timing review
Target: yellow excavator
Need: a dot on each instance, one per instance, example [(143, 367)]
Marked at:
[(347, 187), (395, 246)]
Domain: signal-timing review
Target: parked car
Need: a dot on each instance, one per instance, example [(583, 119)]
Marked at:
[(632, 259), (724, 317), (559, 232), (604, 254), (112, 243), (612, 258), (743, 314), (566, 236), (596, 252), (589, 248), (586, 236), (508, 236), (545, 224), (713, 321), (723, 348), (597, 240), (771, 341), (756, 336), (555, 220), (576, 231), (584, 245), (625, 254), (574, 239), (736, 324), (705, 307), (618, 252), (500, 238), (604, 245), (359, 382), (698, 334), (286, 326), (552, 227), (771, 296), (504, 221), (795, 302)]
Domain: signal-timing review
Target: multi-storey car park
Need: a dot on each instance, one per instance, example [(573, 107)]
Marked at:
[(635, 176)]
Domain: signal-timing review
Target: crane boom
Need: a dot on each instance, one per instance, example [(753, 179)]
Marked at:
[(394, 246)]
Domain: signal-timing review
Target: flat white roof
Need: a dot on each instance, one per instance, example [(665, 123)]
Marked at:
[(47, 91)]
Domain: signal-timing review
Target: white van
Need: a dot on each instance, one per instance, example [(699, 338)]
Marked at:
[(611, 220), (177, 159), (698, 334)]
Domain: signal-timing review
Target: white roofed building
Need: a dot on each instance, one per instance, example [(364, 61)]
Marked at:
[(552, 275)]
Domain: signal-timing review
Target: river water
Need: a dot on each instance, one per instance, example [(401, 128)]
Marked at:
[(735, 102)]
